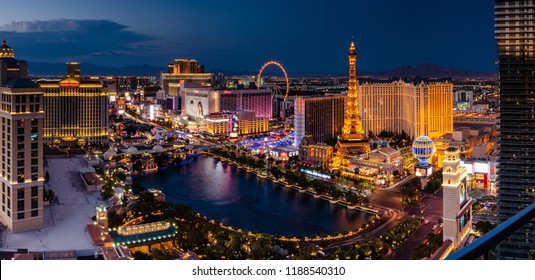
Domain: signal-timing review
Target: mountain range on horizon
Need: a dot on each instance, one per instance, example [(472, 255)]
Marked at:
[(422, 70)]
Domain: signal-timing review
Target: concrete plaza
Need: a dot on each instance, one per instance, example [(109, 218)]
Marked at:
[(66, 217)]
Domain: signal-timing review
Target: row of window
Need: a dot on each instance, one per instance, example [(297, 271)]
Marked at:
[(34, 192), (6, 200)]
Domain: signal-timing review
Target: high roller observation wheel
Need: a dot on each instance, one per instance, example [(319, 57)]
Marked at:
[(276, 63)]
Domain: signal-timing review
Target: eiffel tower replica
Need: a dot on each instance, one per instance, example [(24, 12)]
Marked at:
[(352, 141)]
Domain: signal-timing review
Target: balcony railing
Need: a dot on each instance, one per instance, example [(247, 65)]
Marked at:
[(490, 240)]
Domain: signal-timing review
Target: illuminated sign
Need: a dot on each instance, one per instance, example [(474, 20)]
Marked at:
[(423, 171), (151, 112), (69, 84), (463, 221), (196, 105), (316, 174), (481, 180), (481, 167), (469, 167), (463, 195)]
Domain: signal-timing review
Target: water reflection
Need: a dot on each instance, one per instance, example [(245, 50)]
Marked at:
[(243, 200)]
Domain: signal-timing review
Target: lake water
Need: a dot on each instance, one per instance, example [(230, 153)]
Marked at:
[(243, 200)]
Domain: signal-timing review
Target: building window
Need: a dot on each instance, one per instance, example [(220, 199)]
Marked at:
[(35, 213), (34, 203), (20, 216), (20, 205), (35, 191), (20, 193)]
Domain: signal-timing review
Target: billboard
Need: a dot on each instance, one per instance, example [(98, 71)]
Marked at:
[(469, 167), (196, 104), (151, 112), (423, 171), (464, 220), (481, 167), (463, 194)]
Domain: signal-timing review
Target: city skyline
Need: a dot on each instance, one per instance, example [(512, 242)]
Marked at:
[(236, 37), (203, 162)]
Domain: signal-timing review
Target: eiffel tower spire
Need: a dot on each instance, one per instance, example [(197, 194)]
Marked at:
[(352, 123), (353, 140)]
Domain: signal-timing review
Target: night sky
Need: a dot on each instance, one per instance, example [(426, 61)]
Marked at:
[(305, 36)]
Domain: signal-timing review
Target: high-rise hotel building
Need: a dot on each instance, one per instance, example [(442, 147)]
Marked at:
[(198, 101), (183, 70), (422, 109), (322, 117), (515, 33), (21, 118), (76, 110)]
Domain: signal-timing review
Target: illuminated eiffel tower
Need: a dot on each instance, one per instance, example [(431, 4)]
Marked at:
[(353, 140)]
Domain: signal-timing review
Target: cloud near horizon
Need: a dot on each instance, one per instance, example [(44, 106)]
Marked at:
[(61, 40)]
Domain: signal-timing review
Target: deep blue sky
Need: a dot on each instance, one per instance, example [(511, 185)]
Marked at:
[(305, 36)]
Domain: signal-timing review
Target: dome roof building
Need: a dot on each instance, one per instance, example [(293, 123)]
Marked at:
[(132, 150), (6, 51), (109, 154), (157, 149)]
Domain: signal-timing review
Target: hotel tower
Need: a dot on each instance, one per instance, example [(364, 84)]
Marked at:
[(515, 33), (21, 117)]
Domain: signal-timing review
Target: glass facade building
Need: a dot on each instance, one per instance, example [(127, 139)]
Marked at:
[(515, 34)]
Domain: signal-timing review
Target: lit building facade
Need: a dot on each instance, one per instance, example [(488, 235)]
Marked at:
[(515, 32), (21, 118), (457, 205), (181, 70), (198, 101), (321, 117), (257, 100), (283, 153), (236, 123), (440, 108), (320, 154), (76, 111), (423, 109), (383, 161)]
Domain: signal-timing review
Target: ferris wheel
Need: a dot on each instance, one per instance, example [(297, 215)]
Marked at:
[(276, 89)]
